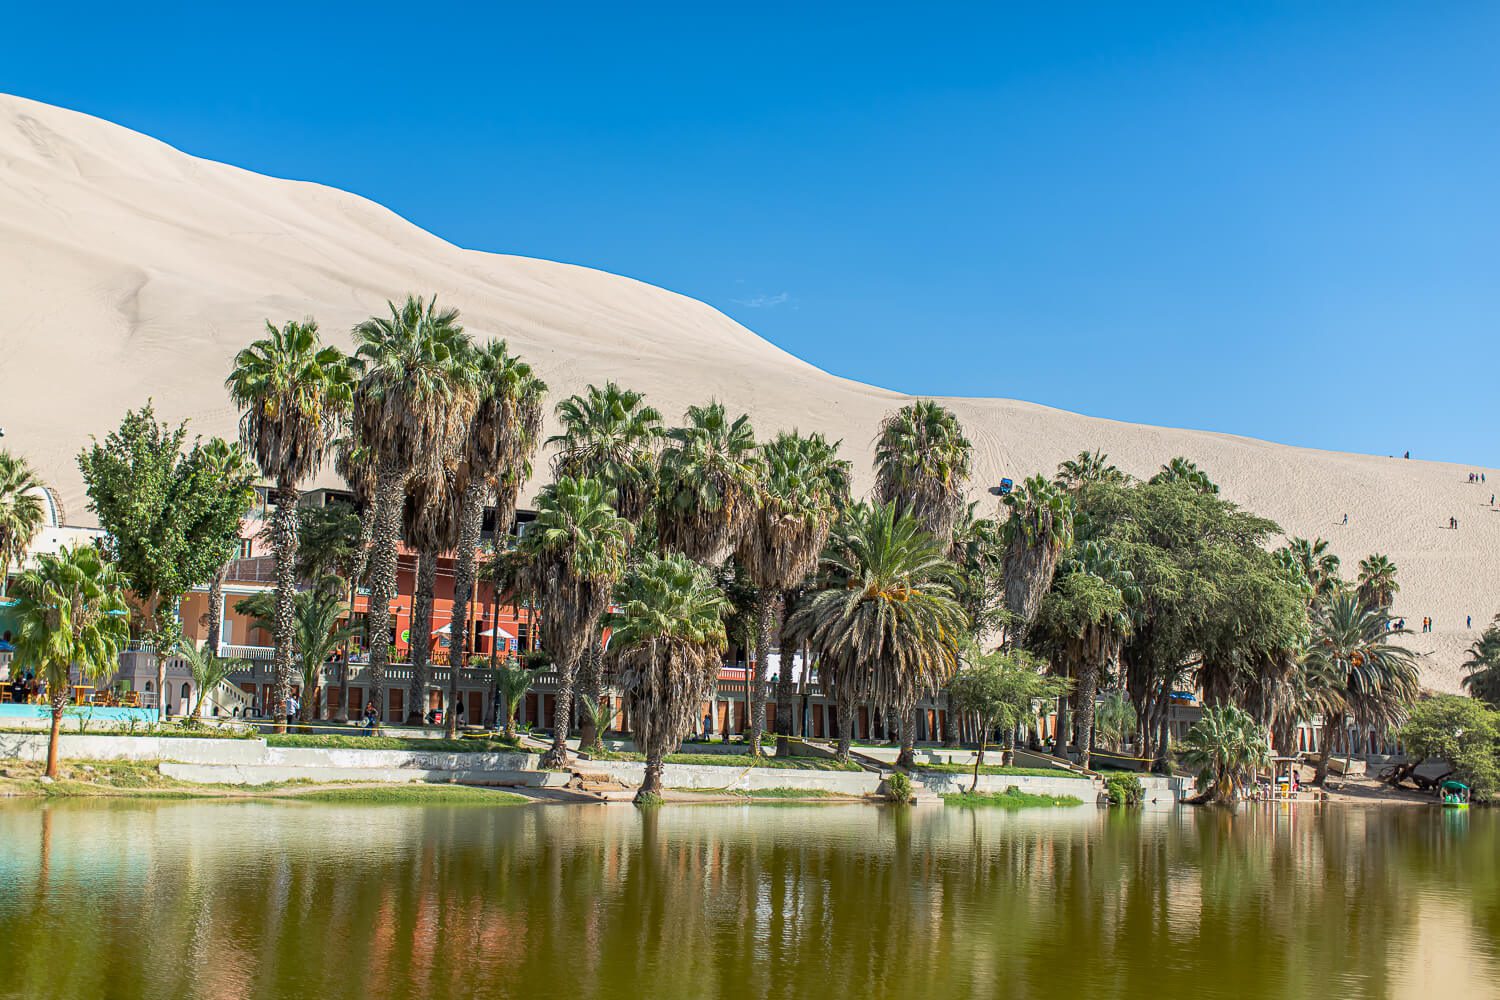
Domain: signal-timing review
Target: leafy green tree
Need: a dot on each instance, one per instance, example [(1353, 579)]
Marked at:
[(1075, 474), (1180, 470), (512, 681), (1226, 747), (1115, 719), (208, 670), (574, 553), (1001, 690), (1037, 531), (229, 464), (21, 512), (1319, 565), (292, 391), (172, 518), (71, 614), (805, 485), (669, 634), (709, 471), (412, 395), (922, 465), (1482, 665), (1461, 731), (883, 618)]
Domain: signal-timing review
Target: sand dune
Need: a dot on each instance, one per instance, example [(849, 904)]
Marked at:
[(130, 269)]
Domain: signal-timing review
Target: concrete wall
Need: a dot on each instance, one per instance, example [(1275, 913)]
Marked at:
[(948, 784), (695, 776)]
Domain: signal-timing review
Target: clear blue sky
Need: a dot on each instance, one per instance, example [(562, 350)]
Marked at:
[(1278, 220)]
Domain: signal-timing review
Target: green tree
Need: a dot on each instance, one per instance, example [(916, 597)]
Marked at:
[(512, 681), (804, 486), (1461, 731), (229, 464), (172, 520), (1075, 474), (330, 546), (316, 631), (922, 465), (709, 471), (412, 394), (292, 391), (1037, 531), (1226, 747), (1319, 565), (429, 525), (1115, 719), (1482, 665), (1001, 690), (574, 553), (21, 512), (1180, 470), (71, 614), (669, 636), (1377, 582), (883, 618), (208, 670)]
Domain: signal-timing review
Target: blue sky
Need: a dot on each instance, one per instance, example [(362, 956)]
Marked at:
[(1278, 220)]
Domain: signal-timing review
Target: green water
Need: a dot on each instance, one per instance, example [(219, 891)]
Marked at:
[(239, 900)]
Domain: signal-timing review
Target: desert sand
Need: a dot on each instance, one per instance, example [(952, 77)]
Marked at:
[(130, 269)]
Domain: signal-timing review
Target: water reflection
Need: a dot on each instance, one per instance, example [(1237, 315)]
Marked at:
[(229, 900)]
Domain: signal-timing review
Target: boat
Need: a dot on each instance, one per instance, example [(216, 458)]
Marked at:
[(1455, 795)]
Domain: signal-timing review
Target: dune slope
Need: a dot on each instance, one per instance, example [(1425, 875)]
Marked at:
[(130, 269)]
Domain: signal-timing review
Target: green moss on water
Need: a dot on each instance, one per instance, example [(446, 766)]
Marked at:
[(1011, 798)]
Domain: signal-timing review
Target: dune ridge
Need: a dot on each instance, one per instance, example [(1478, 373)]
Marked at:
[(131, 269)]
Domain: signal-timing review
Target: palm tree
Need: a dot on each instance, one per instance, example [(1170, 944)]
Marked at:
[(804, 487), (612, 436), (330, 546), (501, 439), (1180, 470), (512, 681), (574, 552), (21, 512), (430, 526), (316, 630), (71, 612), (293, 391), (1037, 531), (227, 463), (1377, 582), (1115, 719), (1226, 747), (668, 636), (709, 471), (1482, 666), (1089, 467), (1356, 672), (1084, 620), (922, 462), (208, 670), (883, 619), (411, 395), (1319, 566)]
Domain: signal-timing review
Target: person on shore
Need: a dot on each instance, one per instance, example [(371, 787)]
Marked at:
[(291, 709), (371, 717)]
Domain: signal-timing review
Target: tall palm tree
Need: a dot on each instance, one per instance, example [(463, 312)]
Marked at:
[(1377, 582), (21, 512), (1226, 747), (1037, 531), (1358, 674), (668, 636), (71, 614), (501, 440), (1083, 621), (1482, 666), (610, 435), (922, 463), (411, 394), (228, 462), (883, 619), (292, 390), (805, 485), (1318, 565), (1089, 467), (574, 553), (709, 471), (430, 526)]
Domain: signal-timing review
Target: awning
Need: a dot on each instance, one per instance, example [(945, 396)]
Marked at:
[(501, 629)]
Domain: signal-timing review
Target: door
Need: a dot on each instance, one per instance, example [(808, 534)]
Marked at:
[(474, 715), (397, 712)]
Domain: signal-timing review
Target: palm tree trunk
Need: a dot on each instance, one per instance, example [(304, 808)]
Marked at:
[(784, 707), (1060, 738), (978, 763), (591, 684), (908, 756), (471, 523), (58, 700), (755, 682), (1088, 686), (421, 638), (1330, 727), (343, 715), (558, 755), (390, 490), (216, 608), (284, 545), (652, 785)]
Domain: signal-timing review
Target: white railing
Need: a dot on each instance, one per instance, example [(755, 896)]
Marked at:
[(248, 652)]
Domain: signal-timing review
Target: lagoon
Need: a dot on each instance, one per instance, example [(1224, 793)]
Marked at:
[(128, 899)]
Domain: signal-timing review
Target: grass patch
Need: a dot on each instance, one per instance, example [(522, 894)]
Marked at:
[(171, 730), (740, 760), (1011, 798), (94, 779), (353, 741), (1024, 772), (413, 794)]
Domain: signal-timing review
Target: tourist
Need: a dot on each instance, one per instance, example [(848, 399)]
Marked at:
[(1346, 518), (1468, 621), (372, 718)]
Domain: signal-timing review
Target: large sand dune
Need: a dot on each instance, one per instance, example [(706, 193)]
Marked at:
[(130, 269)]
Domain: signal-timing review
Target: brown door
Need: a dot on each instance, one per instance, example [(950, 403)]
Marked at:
[(474, 716), (397, 712), (356, 702)]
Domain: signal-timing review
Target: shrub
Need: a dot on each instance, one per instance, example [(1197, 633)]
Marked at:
[(898, 788), (1124, 790)]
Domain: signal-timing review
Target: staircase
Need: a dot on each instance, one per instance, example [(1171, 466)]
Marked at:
[(601, 786)]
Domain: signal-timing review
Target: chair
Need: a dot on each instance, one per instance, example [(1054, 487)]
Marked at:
[(131, 699)]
